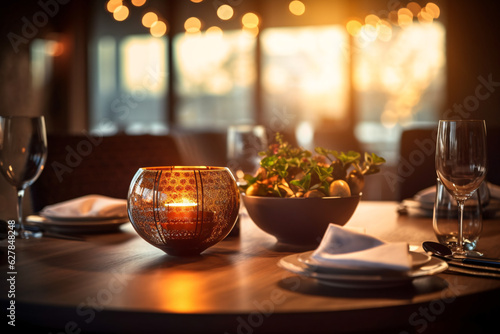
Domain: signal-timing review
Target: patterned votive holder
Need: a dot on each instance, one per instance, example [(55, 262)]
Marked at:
[(183, 210)]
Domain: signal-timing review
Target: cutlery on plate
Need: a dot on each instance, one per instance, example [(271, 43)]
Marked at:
[(466, 271), (51, 234), (445, 253)]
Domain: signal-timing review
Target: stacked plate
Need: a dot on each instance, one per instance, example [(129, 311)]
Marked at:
[(303, 265), (78, 224)]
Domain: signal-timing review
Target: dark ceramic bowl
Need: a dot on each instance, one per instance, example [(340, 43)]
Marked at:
[(299, 221)]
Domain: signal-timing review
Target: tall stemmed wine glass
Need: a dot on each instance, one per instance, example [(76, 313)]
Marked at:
[(461, 164), (23, 152)]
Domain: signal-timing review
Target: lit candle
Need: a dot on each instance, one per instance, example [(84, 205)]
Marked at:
[(187, 212), (187, 218)]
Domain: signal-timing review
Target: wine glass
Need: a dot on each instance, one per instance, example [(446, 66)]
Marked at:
[(461, 165), (244, 142), (23, 152)]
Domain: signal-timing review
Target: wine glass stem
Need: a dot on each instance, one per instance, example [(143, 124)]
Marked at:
[(20, 196), (461, 224)]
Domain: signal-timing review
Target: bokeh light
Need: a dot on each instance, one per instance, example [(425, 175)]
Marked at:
[(433, 10), (158, 29), (353, 27), (393, 17), (297, 7), (225, 12), (372, 19), (121, 13), (384, 31), (192, 25), (250, 20), (424, 16), (113, 4), (149, 19), (251, 31), (414, 8), (138, 3), (214, 31), (405, 17)]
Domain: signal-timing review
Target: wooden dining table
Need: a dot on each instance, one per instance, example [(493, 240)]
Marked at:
[(118, 283)]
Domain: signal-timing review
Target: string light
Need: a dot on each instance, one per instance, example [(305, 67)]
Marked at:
[(158, 29), (380, 28), (297, 7), (192, 25), (149, 19), (138, 3), (121, 13), (250, 20), (113, 4), (225, 12)]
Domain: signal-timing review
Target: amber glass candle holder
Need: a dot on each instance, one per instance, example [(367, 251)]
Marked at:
[(183, 210)]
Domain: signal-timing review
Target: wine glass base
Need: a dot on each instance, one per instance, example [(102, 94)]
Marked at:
[(474, 253), (466, 253), (29, 234)]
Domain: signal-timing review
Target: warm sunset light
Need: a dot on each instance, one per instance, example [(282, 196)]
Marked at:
[(113, 4), (138, 3), (121, 13), (404, 80), (250, 20), (204, 61), (158, 29), (192, 25), (225, 12), (148, 19), (323, 86), (297, 7), (140, 54)]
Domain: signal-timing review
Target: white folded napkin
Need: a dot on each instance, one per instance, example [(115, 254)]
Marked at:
[(347, 249), (87, 206)]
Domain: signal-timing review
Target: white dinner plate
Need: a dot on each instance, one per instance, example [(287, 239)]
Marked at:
[(417, 259), (78, 226), (81, 219), (362, 280)]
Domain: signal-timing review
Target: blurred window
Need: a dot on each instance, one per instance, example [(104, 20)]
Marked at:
[(129, 91), (215, 79), (305, 78), (398, 83)]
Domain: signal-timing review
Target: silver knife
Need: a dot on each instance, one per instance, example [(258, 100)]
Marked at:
[(473, 272), (458, 263)]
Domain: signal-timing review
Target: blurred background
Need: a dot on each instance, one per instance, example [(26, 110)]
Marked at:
[(345, 74)]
